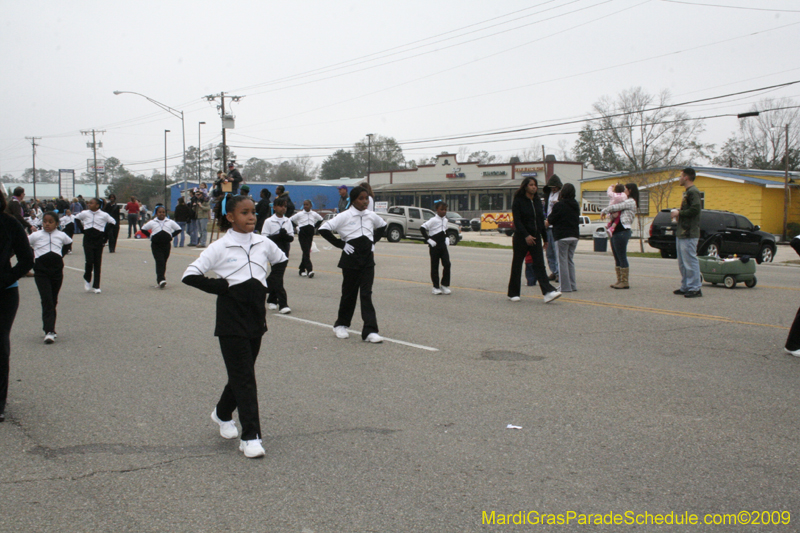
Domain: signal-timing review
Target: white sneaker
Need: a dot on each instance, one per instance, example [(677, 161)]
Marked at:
[(227, 430), (272, 307), (795, 353), (374, 338), (50, 338), (436, 291), (446, 290), (303, 274), (162, 284), (87, 286), (341, 332), (97, 291), (550, 296), (310, 275), (514, 298), (252, 448), (285, 311)]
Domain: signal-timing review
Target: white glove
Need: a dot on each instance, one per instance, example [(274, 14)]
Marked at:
[(348, 249), (446, 240), (432, 243), (373, 247)]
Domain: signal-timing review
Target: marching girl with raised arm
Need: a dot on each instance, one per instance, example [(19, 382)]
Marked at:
[(359, 229), (241, 260), (434, 231), (49, 247), (307, 222), (94, 223), (161, 231)]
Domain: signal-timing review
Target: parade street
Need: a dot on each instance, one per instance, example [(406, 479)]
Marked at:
[(604, 401)]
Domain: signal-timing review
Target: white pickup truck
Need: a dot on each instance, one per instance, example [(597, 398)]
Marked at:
[(588, 227), (404, 222)]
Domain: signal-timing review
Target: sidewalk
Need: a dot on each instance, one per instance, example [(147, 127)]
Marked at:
[(584, 245)]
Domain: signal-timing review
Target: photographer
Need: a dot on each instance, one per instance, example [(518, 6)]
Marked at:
[(199, 223)]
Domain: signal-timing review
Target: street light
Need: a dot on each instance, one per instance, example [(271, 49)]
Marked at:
[(165, 168), (199, 155), (369, 154), (174, 113)]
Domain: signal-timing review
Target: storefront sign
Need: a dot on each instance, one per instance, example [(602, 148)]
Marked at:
[(590, 207), (456, 175), (494, 173), (523, 170)]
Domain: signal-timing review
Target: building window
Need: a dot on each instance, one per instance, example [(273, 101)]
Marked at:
[(491, 201), (458, 202)]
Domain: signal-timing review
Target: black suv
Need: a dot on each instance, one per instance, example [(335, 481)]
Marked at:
[(721, 233)]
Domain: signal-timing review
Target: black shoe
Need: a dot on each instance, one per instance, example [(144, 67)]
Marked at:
[(679, 292), (190, 244), (693, 294)]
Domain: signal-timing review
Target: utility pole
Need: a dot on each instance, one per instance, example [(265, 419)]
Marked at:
[(93, 145), (226, 120), (785, 188), (33, 147)]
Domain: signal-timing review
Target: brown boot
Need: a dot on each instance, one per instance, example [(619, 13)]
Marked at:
[(623, 284), (619, 279)]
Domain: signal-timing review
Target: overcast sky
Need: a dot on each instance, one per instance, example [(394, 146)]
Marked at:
[(319, 75)]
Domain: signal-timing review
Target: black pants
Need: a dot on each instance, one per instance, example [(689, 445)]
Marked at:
[(521, 249), (355, 280), (306, 238), (241, 391), (94, 259), (9, 302), (440, 253), (793, 340), (113, 233), (69, 229), (277, 294), (49, 285), (161, 252)]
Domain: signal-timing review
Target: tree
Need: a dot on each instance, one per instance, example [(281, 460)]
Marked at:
[(257, 170), (299, 169), (42, 176), (383, 154), (642, 131), (534, 153), (761, 141), (482, 156), (589, 149), (341, 164), (114, 170), (148, 190), (218, 156)]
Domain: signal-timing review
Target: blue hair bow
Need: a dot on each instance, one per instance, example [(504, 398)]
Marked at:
[(224, 206)]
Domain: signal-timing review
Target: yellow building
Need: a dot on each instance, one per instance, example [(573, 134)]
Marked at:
[(756, 194)]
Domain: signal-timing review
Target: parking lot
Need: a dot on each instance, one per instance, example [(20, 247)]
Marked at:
[(618, 400)]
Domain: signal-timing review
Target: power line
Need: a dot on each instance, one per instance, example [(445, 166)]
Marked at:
[(733, 7)]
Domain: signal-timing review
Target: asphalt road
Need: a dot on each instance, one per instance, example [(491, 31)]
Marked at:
[(632, 400)]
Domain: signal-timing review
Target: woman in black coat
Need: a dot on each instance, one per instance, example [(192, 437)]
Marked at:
[(13, 242), (263, 211), (114, 210), (529, 234), (565, 220)]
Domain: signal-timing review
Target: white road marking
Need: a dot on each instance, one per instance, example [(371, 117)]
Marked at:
[(73, 268), (386, 339)]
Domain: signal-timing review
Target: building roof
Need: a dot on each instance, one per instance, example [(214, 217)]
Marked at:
[(739, 175), (451, 185)]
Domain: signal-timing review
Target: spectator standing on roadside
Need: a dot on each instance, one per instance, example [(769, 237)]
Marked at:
[(132, 208), (263, 210), (688, 217), (15, 208), (551, 192), (344, 199), (182, 215), (564, 220), (280, 192), (201, 210), (622, 234)]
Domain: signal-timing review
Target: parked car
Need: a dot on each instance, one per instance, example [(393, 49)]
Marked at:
[(587, 227), (455, 218), (475, 224), (405, 221), (721, 233)]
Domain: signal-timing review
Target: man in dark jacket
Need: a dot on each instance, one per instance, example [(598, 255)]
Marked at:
[(551, 191), (16, 208), (344, 199), (688, 234), (235, 176)]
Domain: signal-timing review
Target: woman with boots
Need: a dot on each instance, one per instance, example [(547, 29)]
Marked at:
[(621, 236)]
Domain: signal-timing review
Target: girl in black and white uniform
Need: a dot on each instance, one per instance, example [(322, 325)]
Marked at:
[(49, 247), (307, 221), (242, 261), (359, 230), (94, 223), (278, 229), (161, 231), (67, 224), (434, 231)]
